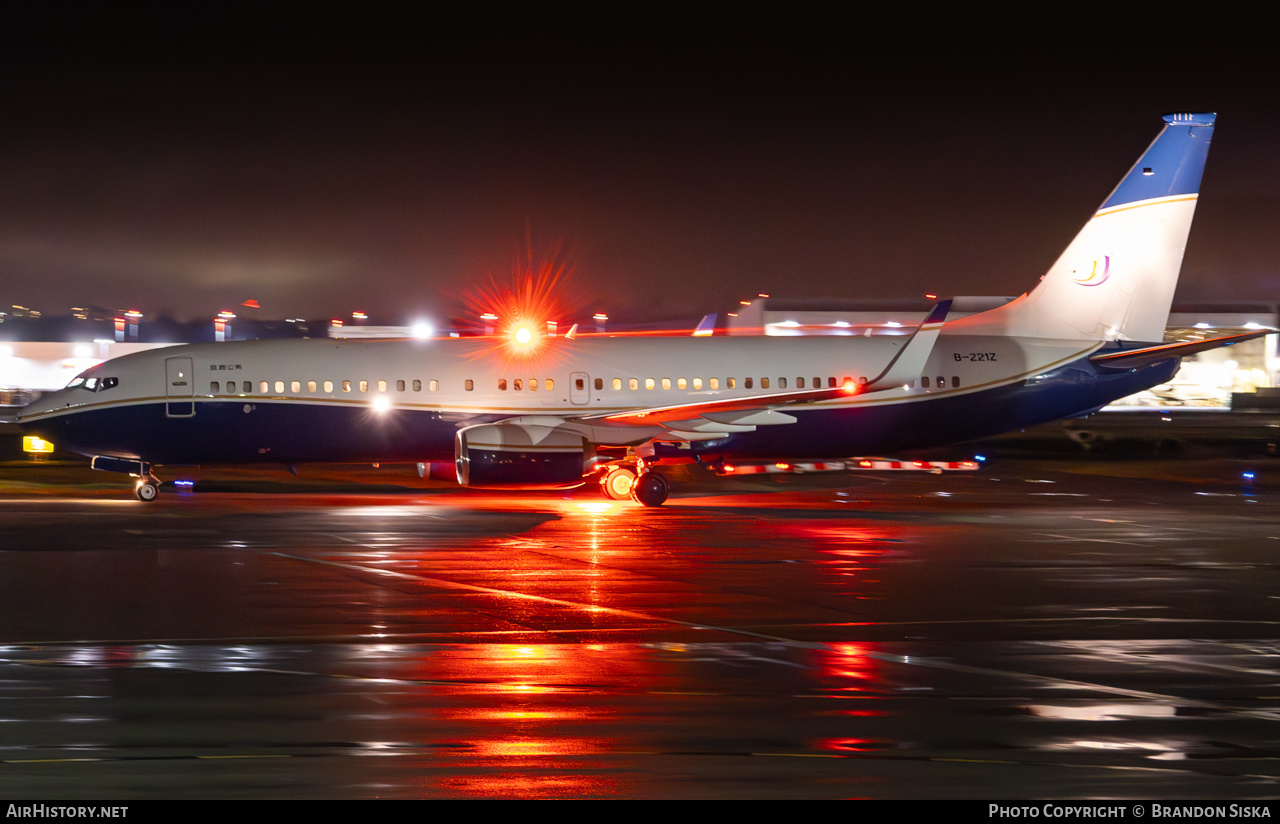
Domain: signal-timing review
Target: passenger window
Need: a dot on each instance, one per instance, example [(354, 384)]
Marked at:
[(697, 383), (617, 384), (311, 386), (713, 383), (942, 382), (533, 384), (399, 386), (666, 383), (346, 386), (831, 382), (551, 385), (417, 386), (295, 387), (924, 382), (517, 384), (748, 383), (213, 387), (799, 383), (681, 383), (764, 383), (382, 386), (817, 383), (634, 384), (782, 383), (502, 384), (434, 385), (279, 387), (648, 383), (470, 384), (955, 382), (599, 384), (328, 386), (730, 383), (364, 386), (262, 387)]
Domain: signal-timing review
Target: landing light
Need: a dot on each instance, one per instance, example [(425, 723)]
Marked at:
[(381, 404)]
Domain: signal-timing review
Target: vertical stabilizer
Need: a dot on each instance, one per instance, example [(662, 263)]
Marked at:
[(1116, 279)]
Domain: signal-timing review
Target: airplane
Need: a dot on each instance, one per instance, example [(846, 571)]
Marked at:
[(523, 411)]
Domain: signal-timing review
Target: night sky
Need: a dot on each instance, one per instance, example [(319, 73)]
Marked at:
[(326, 160)]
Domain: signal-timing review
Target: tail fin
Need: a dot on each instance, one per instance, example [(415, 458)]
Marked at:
[(1117, 277)]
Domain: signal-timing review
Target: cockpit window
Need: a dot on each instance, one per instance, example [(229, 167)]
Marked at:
[(94, 384)]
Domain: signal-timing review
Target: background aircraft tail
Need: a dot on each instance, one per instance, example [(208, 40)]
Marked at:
[(1116, 279)]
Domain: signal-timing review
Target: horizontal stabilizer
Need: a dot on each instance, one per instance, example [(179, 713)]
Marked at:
[(1135, 358), (706, 326)]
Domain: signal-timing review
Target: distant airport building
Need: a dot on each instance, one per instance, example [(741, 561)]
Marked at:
[(28, 368)]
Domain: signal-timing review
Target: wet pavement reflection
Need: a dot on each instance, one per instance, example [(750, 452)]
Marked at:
[(926, 636)]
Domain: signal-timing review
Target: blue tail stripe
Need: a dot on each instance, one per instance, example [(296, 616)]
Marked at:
[(1172, 165)]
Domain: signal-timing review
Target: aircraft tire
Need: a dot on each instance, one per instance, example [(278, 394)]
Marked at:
[(618, 483), (146, 491), (650, 489)]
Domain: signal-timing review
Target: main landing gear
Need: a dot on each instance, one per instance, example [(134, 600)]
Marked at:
[(617, 481), (651, 489), (630, 479)]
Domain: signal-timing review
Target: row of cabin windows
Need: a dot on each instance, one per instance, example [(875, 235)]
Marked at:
[(517, 384), (729, 383), (266, 387)]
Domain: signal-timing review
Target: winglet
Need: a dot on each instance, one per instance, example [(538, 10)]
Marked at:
[(572, 333), (909, 363), (706, 326)]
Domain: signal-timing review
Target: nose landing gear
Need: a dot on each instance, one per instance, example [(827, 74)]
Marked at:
[(147, 489)]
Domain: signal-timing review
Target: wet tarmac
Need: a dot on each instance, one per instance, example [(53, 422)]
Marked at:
[(1072, 629)]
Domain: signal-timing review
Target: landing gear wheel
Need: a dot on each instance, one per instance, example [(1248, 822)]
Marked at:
[(147, 490), (650, 489), (617, 483)]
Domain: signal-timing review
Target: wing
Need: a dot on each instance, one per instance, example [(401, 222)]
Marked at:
[(714, 418)]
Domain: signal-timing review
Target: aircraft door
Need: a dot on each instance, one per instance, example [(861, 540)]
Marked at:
[(179, 388), (579, 388)]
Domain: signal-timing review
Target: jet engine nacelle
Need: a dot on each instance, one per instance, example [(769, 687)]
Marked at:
[(521, 456)]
